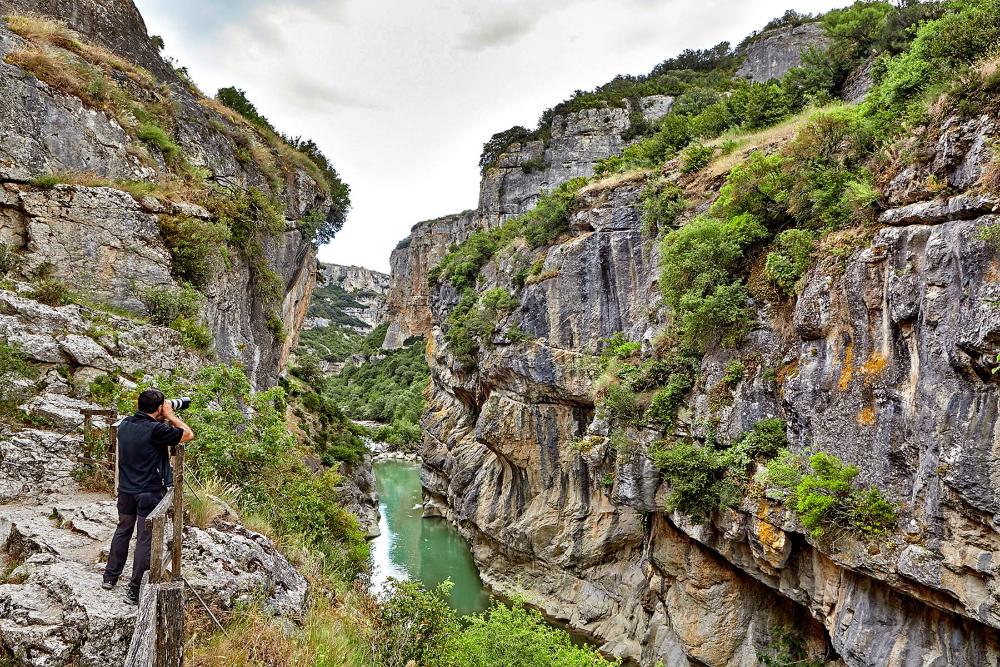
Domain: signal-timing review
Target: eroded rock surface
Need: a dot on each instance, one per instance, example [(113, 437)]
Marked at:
[(886, 361), (775, 52)]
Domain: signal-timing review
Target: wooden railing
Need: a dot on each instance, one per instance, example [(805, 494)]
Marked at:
[(158, 638)]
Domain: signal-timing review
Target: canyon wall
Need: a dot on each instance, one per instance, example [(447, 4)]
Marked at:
[(512, 185), (350, 293), (106, 243), (884, 360)]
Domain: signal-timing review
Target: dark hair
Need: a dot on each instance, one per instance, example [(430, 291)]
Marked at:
[(150, 401)]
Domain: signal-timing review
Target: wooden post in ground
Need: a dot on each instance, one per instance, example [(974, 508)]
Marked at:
[(170, 624), (155, 523), (175, 566)]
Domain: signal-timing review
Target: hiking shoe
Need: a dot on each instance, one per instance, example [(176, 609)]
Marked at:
[(108, 584), (131, 597)]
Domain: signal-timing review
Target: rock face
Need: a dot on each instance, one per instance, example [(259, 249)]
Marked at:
[(102, 241), (508, 189), (53, 536), (363, 291), (775, 52), (885, 361), (407, 299)]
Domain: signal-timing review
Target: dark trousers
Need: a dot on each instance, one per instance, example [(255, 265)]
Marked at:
[(130, 506)]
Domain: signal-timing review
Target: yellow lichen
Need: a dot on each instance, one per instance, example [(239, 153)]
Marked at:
[(848, 372), (867, 416)]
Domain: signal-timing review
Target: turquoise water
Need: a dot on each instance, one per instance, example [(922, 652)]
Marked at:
[(425, 550)]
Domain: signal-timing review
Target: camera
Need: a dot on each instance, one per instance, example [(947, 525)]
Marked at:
[(179, 403)]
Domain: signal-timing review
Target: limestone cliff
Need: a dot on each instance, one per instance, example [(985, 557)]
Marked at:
[(886, 359), (348, 295), (101, 240), (407, 299), (774, 52)]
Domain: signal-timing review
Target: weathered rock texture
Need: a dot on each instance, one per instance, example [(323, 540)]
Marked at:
[(775, 52), (885, 360), (407, 299), (365, 287), (508, 189), (103, 242), (53, 536)]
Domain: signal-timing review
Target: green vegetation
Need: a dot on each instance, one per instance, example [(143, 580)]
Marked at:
[(704, 477), (197, 247), (662, 202), (17, 374), (304, 154), (790, 258), (387, 390), (990, 235), (786, 649), (474, 322), (539, 227), (695, 157), (180, 310), (51, 292), (244, 443), (823, 495), (414, 624)]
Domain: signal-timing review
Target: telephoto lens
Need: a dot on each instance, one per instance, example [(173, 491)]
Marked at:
[(179, 403)]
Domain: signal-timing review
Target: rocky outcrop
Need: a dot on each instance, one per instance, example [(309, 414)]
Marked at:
[(362, 290), (411, 260), (508, 189), (105, 242), (886, 360), (771, 54)]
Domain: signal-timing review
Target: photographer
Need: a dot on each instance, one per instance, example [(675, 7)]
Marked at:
[(144, 474)]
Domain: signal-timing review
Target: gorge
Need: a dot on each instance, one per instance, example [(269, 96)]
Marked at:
[(710, 375)]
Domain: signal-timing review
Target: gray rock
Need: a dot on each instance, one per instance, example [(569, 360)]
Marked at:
[(773, 53)]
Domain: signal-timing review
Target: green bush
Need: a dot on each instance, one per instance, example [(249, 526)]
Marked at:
[(8, 259), (14, 366), (52, 292), (196, 246), (790, 258), (165, 306), (990, 235), (415, 624), (540, 226), (387, 390), (735, 371), (474, 322), (619, 405), (758, 105), (698, 268), (696, 476), (667, 400), (785, 649), (824, 497), (695, 157), (617, 346), (515, 635), (662, 202), (156, 136)]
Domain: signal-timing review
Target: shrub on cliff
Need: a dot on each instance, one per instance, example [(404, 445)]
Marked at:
[(790, 258), (474, 322), (699, 270), (823, 496), (197, 247)]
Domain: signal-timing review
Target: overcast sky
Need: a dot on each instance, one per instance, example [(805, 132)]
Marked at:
[(402, 94)]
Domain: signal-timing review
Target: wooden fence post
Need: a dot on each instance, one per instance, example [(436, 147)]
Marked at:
[(175, 566), (170, 624)]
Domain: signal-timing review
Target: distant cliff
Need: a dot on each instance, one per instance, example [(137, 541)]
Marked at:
[(349, 296), (570, 147)]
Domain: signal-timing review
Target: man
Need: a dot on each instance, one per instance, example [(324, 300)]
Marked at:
[(144, 473)]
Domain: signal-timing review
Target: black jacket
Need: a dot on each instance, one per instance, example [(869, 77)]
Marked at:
[(144, 455)]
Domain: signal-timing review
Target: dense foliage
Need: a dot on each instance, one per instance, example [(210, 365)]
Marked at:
[(414, 624), (706, 477)]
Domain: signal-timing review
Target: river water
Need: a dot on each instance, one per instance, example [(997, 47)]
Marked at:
[(425, 550)]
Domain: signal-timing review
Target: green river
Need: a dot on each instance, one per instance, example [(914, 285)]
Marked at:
[(412, 547)]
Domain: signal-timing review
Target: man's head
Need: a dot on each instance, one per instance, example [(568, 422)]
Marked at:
[(151, 402)]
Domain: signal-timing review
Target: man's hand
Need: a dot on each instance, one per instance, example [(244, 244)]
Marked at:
[(175, 421)]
